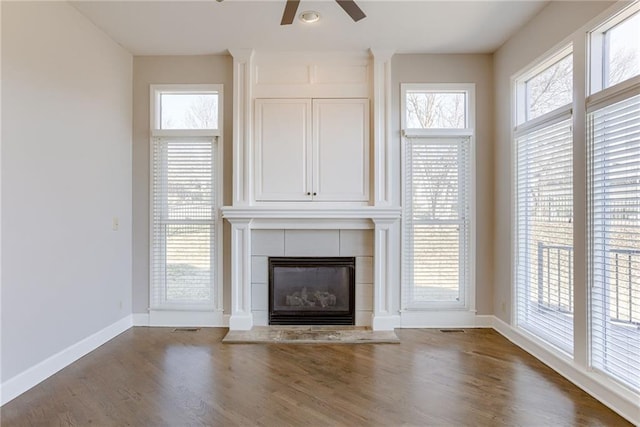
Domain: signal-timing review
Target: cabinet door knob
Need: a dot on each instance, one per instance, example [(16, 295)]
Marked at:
[(308, 194), (315, 194)]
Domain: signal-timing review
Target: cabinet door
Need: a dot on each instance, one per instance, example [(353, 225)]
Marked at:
[(341, 149), (282, 149)]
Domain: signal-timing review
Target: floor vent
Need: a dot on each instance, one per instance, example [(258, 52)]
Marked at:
[(451, 330), (186, 329)]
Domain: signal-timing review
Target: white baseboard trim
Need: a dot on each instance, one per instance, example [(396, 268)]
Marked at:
[(140, 319), (618, 398), (22, 382), (444, 319), (484, 321), (385, 323), (177, 318), (241, 322)]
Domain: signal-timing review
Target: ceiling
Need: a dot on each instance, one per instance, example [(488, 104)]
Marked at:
[(210, 27)]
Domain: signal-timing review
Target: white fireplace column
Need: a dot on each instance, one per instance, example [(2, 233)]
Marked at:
[(386, 274), (242, 119), (381, 126), (241, 316)]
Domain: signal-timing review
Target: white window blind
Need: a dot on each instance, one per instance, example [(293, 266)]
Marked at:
[(183, 222), (614, 243), (544, 232), (436, 222)]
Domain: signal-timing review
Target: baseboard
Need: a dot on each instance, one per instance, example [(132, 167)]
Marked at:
[(484, 321), (140, 319), (241, 322), (444, 319), (22, 382), (618, 398), (385, 322), (180, 318)]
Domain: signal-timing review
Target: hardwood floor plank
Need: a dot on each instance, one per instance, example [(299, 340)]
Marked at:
[(156, 377)]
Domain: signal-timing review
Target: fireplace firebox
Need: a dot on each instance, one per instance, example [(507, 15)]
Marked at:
[(311, 291)]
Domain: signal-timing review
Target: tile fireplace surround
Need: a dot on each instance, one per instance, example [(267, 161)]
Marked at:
[(312, 243), (369, 234)]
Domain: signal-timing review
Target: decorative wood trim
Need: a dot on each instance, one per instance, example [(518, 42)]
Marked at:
[(385, 273), (233, 213), (242, 119), (241, 317), (381, 126), (311, 75)]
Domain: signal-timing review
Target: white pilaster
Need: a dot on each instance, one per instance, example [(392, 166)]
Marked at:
[(381, 128), (386, 277), (242, 84), (241, 317)]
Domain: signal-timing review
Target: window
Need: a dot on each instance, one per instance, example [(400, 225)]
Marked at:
[(544, 201), (431, 109), (615, 50), (614, 202), (437, 180), (182, 110), (185, 196), (549, 89)]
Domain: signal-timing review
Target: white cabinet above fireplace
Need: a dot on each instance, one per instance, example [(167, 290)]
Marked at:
[(311, 150)]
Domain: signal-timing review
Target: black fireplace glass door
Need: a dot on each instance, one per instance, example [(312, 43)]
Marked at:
[(311, 290)]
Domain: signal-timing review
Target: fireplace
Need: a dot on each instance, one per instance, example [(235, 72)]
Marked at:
[(311, 291)]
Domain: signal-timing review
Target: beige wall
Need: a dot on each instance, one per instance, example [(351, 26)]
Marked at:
[(66, 172), (147, 70), (476, 69), (551, 26)]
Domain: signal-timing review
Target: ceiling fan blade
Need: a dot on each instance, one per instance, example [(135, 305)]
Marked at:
[(289, 12), (352, 9)]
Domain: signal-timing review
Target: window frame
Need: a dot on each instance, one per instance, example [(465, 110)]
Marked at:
[(467, 88), (597, 66), (469, 303), (156, 91), (609, 333), (216, 135), (521, 122), (522, 126), (600, 98)]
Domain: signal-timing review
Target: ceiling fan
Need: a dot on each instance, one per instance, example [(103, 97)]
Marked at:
[(348, 6)]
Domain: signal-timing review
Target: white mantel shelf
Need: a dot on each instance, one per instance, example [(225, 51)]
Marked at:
[(311, 217)]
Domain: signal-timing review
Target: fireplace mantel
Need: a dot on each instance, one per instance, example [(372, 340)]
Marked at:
[(302, 217), (384, 221)]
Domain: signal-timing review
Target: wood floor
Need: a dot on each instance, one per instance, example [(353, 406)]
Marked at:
[(156, 377)]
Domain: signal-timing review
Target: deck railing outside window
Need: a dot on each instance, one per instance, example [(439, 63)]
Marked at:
[(555, 282)]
